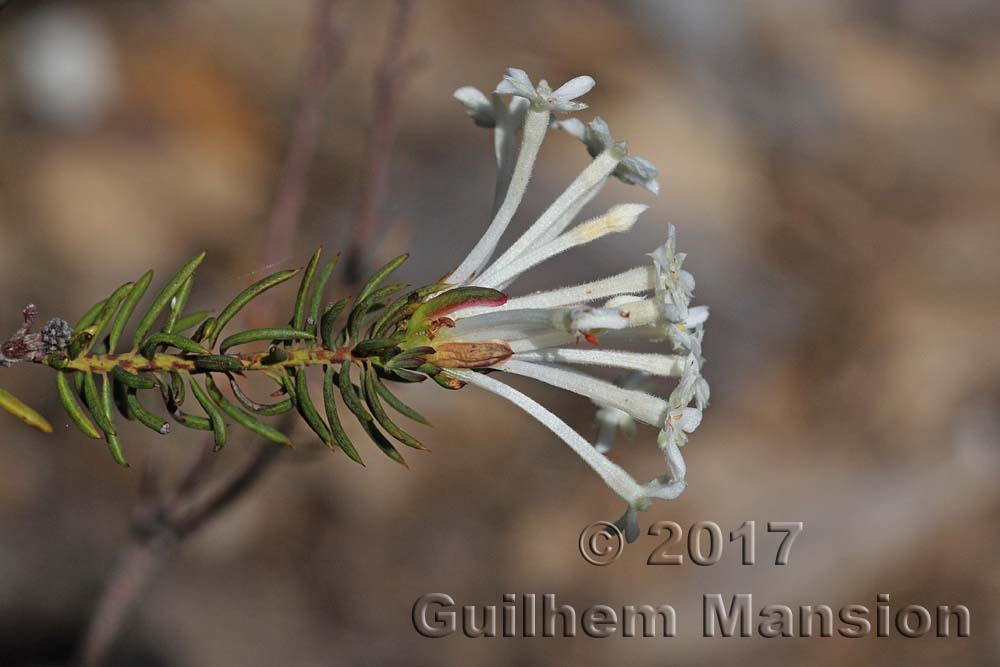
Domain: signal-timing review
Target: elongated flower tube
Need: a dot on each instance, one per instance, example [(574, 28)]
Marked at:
[(549, 336)]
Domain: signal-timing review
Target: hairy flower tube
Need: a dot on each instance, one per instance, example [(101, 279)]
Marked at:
[(465, 329), (548, 335)]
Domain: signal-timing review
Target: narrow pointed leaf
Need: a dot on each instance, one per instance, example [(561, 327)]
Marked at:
[(163, 298), (189, 322), (355, 405), (90, 316), (242, 418), (367, 348), (245, 297), (217, 363), (144, 416), (132, 380), (317, 299), (371, 398), (177, 304), (92, 399), (366, 305), (127, 308), (397, 404), (380, 275), (213, 412), (266, 410), (330, 316), (336, 428), (73, 408), (301, 299), (253, 335), (22, 411), (172, 340), (105, 407), (107, 312), (303, 401)]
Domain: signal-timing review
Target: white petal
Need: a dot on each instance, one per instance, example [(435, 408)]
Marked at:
[(571, 126), (517, 82), (686, 419), (574, 88)]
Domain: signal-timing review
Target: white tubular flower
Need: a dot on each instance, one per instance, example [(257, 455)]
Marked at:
[(596, 136), (517, 82), (543, 335), (512, 181)]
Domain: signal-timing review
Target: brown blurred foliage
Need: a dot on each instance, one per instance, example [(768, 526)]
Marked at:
[(831, 168)]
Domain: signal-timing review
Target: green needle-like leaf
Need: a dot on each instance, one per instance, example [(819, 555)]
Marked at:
[(172, 340), (317, 298), (92, 399), (73, 408), (266, 410), (22, 411), (242, 418), (379, 276), (397, 404), (366, 305), (367, 348), (371, 398), (177, 304), (132, 380), (306, 408), (329, 319), (245, 297), (100, 406), (213, 412), (336, 428), (144, 416), (163, 298), (127, 308), (107, 312), (253, 335), (189, 322), (90, 316), (355, 405), (301, 299), (218, 363)]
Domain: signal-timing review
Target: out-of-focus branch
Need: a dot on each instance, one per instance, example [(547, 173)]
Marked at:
[(389, 81), (322, 59)]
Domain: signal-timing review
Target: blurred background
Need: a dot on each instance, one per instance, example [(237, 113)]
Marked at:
[(831, 168)]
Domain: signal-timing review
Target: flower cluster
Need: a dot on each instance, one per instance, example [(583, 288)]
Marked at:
[(543, 333)]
